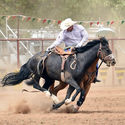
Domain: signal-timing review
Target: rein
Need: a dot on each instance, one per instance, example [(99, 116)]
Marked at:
[(91, 74)]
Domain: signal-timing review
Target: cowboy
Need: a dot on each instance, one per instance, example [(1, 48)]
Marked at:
[(72, 34)]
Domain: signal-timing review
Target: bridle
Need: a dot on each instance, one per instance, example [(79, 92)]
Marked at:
[(103, 57), (107, 59)]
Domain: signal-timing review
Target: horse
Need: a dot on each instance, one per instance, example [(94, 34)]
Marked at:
[(51, 70)]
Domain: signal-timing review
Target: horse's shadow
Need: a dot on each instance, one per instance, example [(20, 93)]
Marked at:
[(63, 110), (101, 111)]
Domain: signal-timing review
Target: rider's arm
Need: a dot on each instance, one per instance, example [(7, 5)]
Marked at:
[(58, 41), (84, 35)]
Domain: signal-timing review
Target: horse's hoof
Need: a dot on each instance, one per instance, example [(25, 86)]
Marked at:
[(72, 109), (47, 93), (54, 107), (55, 99), (67, 101), (73, 99)]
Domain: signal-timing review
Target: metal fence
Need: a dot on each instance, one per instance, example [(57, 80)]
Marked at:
[(17, 51)]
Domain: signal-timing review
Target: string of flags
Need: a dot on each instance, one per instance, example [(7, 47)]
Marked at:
[(49, 21)]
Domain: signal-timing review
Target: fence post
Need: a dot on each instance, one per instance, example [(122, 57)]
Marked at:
[(42, 46), (18, 50)]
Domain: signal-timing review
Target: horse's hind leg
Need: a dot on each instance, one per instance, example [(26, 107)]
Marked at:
[(47, 84), (55, 90), (68, 94), (36, 83)]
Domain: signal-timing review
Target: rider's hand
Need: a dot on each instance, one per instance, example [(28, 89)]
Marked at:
[(73, 49), (48, 49)]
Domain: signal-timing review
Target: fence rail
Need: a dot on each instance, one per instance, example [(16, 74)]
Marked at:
[(117, 73)]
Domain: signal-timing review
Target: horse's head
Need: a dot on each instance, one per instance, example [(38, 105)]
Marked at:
[(105, 53)]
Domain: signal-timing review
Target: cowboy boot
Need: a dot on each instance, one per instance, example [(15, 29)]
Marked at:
[(96, 80)]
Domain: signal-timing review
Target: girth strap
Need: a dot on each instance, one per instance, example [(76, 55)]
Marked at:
[(64, 58)]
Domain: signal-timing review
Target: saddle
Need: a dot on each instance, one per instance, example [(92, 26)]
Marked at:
[(60, 51), (64, 55)]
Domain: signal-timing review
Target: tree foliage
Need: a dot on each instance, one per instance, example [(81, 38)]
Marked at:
[(61, 9)]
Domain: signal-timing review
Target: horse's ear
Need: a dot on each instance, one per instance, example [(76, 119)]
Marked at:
[(102, 39)]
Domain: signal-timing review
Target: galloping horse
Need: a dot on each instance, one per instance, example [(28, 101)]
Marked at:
[(86, 59)]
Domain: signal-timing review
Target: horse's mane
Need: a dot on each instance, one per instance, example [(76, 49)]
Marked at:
[(89, 45)]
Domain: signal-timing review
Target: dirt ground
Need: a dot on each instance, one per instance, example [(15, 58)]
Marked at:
[(103, 106)]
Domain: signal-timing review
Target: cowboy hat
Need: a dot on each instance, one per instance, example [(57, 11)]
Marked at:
[(67, 23)]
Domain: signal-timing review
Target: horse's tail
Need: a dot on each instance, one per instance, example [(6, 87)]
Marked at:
[(15, 78)]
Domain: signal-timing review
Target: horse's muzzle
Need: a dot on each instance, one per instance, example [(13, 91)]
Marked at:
[(113, 62), (110, 60)]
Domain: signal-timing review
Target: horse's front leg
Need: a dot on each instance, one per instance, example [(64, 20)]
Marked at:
[(74, 84), (82, 97)]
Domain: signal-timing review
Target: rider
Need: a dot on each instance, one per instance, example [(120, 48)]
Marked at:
[(72, 34)]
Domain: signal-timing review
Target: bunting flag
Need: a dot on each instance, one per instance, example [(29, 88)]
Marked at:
[(112, 22), (59, 21), (122, 21), (13, 17), (33, 19), (44, 20), (80, 22), (91, 23), (108, 23), (49, 21), (98, 23), (23, 18), (29, 18), (38, 19), (8, 17), (3, 17)]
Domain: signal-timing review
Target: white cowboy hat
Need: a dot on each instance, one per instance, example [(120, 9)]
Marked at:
[(67, 23)]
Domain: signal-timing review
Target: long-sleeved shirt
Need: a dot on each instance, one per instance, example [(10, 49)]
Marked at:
[(74, 38)]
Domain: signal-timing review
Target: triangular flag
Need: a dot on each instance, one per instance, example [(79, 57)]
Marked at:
[(80, 22), (48, 21), (108, 22), (38, 19), (44, 20), (59, 21), (33, 19), (8, 17), (122, 21), (91, 23), (13, 17), (112, 22), (3, 17), (54, 21), (98, 23), (29, 18), (23, 18)]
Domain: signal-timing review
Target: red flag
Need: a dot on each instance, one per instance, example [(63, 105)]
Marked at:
[(91, 23), (44, 20), (13, 17), (98, 23), (28, 18), (59, 21), (112, 22)]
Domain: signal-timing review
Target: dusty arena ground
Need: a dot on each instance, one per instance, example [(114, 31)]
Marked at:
[(103, 106)]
